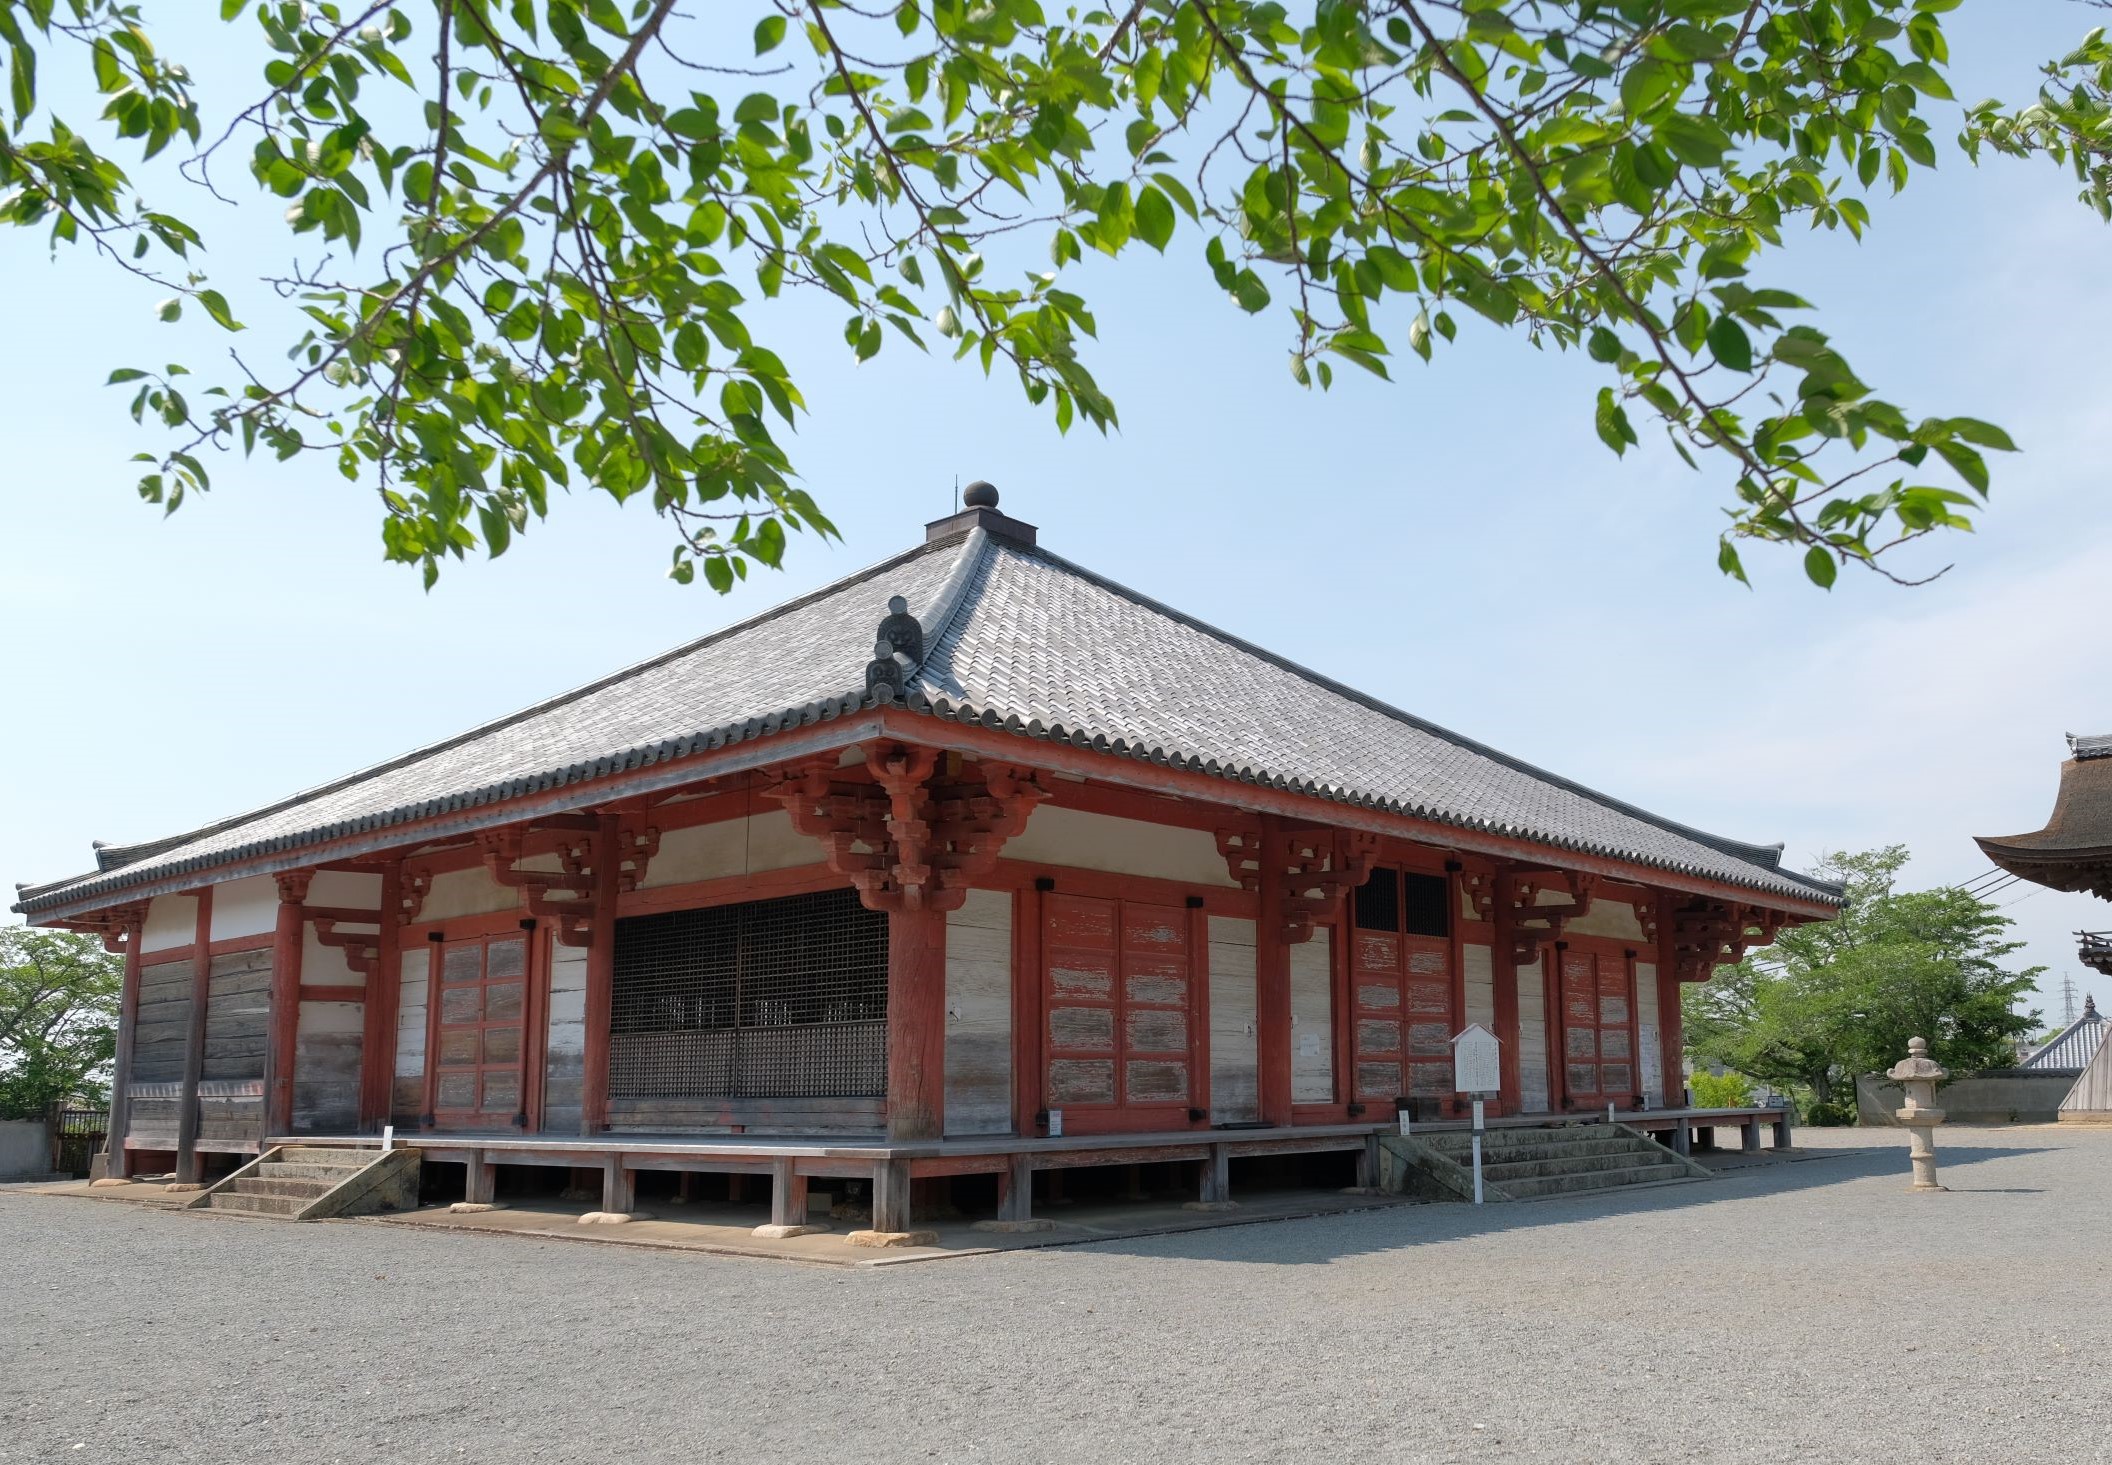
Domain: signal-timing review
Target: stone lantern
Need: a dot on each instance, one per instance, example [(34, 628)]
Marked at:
[(1919, 1074)]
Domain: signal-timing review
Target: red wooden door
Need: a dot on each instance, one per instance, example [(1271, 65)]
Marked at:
[(1401, 989), (1119, 993), (480, 1032), (1598, 1029)]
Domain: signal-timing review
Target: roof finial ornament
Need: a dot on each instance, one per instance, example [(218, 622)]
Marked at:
[(981, 494), (902, 631)]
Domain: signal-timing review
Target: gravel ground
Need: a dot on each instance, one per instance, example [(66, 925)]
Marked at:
[(1807, 1311)]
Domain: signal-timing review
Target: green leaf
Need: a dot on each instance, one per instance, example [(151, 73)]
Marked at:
[(1729, 344), (1154, 218), (1982, 434), (1604, 345), (170, 309), (216, 306), (1649, 84), (769, 31), (1820, 567)]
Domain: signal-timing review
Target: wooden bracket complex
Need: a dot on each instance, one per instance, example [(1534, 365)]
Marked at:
[(114, 926), (1319, 867), (913, 838), (1533, 924), (1707, 934)]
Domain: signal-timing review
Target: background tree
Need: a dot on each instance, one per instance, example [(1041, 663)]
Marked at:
[(531, 233), (58, 1019), (1832, 1000)]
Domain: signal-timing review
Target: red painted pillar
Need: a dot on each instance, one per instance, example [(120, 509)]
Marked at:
[(916, 1024), (601, 980), (377, 1052), (188, 1109), (286, 941), (120, 1164), (1272, 986)]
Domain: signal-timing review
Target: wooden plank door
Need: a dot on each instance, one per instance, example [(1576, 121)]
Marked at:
[(1598, 1029), (1401, 988), (480, 1033), (1119, 993)]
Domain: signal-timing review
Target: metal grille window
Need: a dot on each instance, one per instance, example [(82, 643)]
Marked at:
[(1389, 896), (1427, 904), (778, 998)]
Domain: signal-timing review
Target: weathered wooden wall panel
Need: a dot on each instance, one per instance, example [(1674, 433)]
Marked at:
[(979, 1015), (565, 1064), (407, 1096), (326, 1068), (1532, 1040), (1650, 1062), (172, 920), (1312, 1020), (237, 1013), (163, 1023), (765, 841), (1479, 964), (1235, 1094), (1120, 846)]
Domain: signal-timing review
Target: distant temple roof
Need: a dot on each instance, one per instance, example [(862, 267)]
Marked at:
[(1014, 639), (2074, 1045), (2074, 850)]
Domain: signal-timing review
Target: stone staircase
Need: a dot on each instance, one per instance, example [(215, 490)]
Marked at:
[(1566, 1159), (311, 1182)]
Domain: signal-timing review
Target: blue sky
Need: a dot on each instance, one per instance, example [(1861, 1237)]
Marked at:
[(1456, 542)]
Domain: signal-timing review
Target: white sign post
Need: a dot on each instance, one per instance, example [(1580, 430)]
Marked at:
[(1477, 1069)]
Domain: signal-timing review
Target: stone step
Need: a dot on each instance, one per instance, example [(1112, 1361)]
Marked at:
[(289, 1170), (1547, 1185), (325, 1155), (308, 1189), (1504, 1172), (256, 1205), (1542, 1149)]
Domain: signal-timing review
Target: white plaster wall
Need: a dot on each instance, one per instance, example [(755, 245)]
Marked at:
[(245, 908), (979, 1014), (1611, 918), (1235, 1096), (172, 920), (1312, 1020), (1120, 846), (1479, 964), (731, 847), (470, 892), (325, 966), (346, 889), (1532, 1040), (1649, 1056)]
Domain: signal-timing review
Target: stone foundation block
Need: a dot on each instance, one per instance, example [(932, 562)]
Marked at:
[(613, 1218), (473, 1207), (781, 1233), (893, 1238)]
